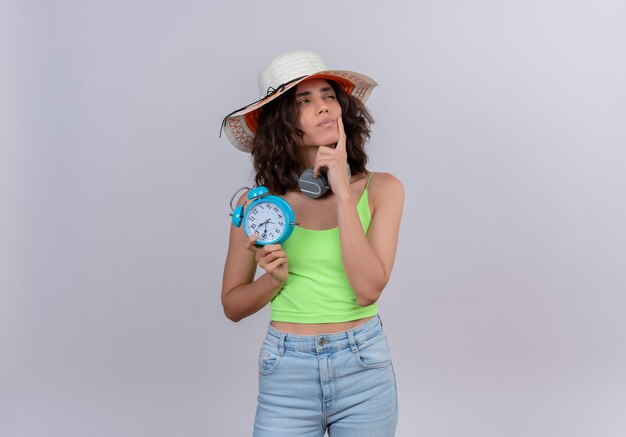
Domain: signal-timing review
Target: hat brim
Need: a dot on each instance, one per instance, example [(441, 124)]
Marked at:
[(240, 126)]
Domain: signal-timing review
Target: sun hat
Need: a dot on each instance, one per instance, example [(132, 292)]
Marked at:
[(282, 74)]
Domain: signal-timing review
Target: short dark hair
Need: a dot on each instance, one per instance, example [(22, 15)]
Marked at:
[(276, 154)]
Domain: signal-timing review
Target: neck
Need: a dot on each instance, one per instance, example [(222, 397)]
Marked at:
[(308, 154)]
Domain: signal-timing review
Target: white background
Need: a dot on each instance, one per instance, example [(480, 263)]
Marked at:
[(504, 120)]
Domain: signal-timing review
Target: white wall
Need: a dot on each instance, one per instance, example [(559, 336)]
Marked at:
[(505, 121)]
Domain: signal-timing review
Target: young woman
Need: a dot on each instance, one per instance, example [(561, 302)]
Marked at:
[(324, 364)]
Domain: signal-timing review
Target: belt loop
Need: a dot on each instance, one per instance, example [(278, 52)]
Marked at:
[(281, 344), (352, 341)]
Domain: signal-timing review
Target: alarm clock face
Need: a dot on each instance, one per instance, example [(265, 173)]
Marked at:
[(266, 218)]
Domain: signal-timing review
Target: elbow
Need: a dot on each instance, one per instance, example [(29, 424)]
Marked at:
[(370, 295), (368, 298), (366, 301), (231, 315), (231, 312)]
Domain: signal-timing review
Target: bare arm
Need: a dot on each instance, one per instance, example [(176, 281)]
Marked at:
[(241, 294), (367, 259)]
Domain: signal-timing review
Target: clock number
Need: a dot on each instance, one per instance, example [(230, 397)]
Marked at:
[(281, 224), (275, 209), (280, 216), (252, 218), (277, 230), (255, 212), (253, 226)]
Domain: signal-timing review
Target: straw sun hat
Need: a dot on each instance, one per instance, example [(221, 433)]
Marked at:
[(283, 73)]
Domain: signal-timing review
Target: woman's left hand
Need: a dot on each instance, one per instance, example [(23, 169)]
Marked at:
[(336, 161)]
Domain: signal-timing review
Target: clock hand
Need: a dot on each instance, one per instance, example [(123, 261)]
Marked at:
[(264, 224)]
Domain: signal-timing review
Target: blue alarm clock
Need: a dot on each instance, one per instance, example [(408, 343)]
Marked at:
[(271, 216)]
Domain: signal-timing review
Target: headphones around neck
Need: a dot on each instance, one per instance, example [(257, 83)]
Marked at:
[(315, 187)]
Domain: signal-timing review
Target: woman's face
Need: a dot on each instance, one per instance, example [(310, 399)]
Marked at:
[(318, 112)]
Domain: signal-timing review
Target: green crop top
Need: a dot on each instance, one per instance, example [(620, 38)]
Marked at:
[(317, 289)]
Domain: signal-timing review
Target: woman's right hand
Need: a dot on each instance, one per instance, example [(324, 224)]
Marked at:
[(271, 258)]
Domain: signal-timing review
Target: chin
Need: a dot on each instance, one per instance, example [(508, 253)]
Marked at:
[(322, 141), (328, 141)]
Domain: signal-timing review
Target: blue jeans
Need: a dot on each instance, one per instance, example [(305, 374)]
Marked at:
[(343, 383)]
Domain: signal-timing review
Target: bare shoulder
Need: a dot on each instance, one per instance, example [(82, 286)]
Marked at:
[(385, 184), (385, 189)]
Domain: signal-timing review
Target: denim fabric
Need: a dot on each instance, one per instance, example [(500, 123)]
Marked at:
[(342, 383)]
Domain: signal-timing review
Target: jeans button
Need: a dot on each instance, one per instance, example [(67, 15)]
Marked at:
[(321, 342)]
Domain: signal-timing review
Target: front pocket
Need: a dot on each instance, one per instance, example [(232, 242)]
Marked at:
[(373, 353), (268, 361)]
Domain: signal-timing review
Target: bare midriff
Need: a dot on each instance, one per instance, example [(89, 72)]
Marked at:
[(317, 328)]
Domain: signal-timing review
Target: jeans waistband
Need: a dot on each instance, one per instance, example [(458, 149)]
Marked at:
[(335, 341)]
